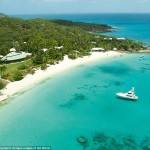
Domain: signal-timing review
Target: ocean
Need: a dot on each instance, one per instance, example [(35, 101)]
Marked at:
[(82, 102), (132, 26)]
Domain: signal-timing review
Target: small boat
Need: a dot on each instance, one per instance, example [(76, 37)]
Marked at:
[(129, 95)]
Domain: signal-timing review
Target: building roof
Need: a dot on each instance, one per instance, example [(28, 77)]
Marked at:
[(58, 47), (93, 42), (121, 38), (12, 56), (109, 39), (97, 49), (44, 49)]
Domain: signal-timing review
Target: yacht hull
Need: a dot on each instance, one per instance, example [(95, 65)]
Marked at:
[(124, 96)]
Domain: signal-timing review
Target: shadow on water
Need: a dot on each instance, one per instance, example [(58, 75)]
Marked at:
[(78, 97), (117, 83), (96, 87), (74, 99), (115, 69), (89, 75), (145, 69), (101, 141), (144, 66)]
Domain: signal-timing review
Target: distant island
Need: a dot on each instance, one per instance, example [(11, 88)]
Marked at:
[(41, 42)]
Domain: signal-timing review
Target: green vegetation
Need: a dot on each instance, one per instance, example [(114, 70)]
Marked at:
[(24, 67), (17, 75), (43, 67), (2, 84), (35, 34)]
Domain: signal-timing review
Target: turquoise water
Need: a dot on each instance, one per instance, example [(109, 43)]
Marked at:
[(82, 102), (130, 25)]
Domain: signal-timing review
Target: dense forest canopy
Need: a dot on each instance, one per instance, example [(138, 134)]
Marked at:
[(42, 33)]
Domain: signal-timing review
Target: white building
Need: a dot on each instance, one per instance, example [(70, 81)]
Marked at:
[(97, 49), (15, 56), (44, 49), (121, 39), (58, 47), (108, 39)]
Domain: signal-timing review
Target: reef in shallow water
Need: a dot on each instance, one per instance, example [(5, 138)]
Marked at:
[(75, 98), (101, 141)]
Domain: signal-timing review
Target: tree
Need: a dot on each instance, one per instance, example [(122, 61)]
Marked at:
[(17, 75), (38, 59), (3, 69), (72, 55), (43, 67), (2, 84)]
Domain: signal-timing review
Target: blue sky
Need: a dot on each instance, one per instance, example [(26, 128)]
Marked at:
[(73, 6)]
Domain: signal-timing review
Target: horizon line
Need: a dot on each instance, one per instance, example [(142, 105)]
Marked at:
[(78, 13)]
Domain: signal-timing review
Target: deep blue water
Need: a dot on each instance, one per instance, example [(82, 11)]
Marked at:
[(132, 26)]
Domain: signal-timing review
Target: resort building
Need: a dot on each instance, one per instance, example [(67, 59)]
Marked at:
[(15, 56), (108, 39), (121, 39), (97, 49)]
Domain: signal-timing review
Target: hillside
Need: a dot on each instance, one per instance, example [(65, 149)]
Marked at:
[(91, 27), (34, 35), (42, 33)]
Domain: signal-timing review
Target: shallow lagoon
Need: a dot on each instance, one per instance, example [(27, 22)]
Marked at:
[(82, 102)]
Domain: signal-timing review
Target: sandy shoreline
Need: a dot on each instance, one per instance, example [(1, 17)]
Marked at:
[(40, 75)]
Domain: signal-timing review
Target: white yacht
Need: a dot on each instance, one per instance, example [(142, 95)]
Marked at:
[(129, 95)]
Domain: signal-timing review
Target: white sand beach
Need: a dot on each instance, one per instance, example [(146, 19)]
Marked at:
[(40, 75)]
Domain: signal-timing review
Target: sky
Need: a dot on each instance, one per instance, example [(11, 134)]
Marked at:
[(73, 6)]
